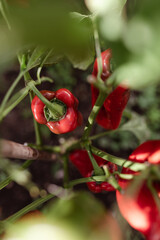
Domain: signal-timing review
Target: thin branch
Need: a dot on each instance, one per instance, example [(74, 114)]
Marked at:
[(11, 149)]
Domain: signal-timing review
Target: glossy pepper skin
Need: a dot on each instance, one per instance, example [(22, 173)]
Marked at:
[(140, 209), (69, 121), (81, 161), (110, 114), (148, 151)]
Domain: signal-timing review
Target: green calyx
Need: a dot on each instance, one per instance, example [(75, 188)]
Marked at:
[(101, 173), (57, 111)]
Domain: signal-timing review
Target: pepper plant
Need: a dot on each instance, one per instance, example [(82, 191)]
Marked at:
[(125, 64)]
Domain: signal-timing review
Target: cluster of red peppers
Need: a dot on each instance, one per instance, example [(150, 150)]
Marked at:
[(110, 114), (71, 117), (140, 209), (108, 117)]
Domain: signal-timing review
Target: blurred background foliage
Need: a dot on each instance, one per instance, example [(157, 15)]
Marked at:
[(64, 28), (68, 218)]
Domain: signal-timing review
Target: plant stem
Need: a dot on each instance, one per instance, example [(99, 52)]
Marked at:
[(15, 97), (14, 104), (8, 180), (111, 178), (10, 91), (36, 126), (99, 135), (56, 109), (119, 161), (124, 176), (98, 49), (97, 170), (15, 100), (44, 60), (27, 209), (10, 149), (3, 9), (55, 149), (37, 133), (5, 182), (102, 94), (111, 81), (27, 78), (88, 179), (100, 100)]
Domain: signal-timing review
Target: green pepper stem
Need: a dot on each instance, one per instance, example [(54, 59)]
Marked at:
[(99, 135), (59, 106), (98, 50), (27, 209), (40, 67), (111, 178), (100, 100), (55, 111), (97, 169), (102, 94), (3, 104), (119, 161), (14, 104), (15, 100), (55, 149), (27, 77), (36, 126), (85, 180)]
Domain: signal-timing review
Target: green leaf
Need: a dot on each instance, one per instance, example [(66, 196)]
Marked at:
[(35, 58), (66, 32), (137, 125), (81, 53), (41, 56), (53, 58)]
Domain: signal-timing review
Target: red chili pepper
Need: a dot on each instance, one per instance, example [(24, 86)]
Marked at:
[(148, 151), (110, 114), (140, 209), (81, 161), (71, 118)]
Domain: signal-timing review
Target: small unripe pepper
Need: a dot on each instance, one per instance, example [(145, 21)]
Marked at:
[(81, 161), (140, 209), (110, 114), (71, 117)]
